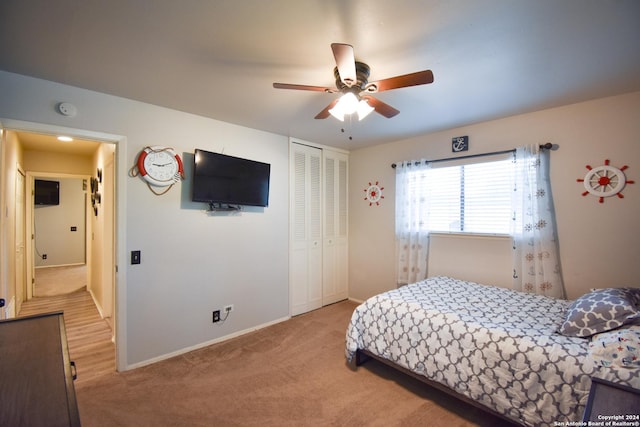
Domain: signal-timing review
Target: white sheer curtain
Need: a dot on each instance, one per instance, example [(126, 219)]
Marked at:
[(535, 247), (412, 236)]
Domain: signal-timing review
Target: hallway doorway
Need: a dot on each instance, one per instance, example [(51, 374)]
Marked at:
[(105, 223), (71, 234), (75, 227)]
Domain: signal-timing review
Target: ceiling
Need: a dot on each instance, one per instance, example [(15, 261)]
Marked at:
[(50, 143), (219, 59)]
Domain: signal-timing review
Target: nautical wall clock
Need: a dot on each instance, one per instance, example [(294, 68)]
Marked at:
[(159, 167), (605, 181)]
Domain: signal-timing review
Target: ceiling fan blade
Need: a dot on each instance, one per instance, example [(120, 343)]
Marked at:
[(303, 87), (413, 79), (346, 62), (381, 108), (325, 113)]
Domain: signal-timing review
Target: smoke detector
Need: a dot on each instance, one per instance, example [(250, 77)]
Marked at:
[(67, 109)]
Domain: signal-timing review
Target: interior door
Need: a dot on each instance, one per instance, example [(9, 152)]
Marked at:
[(305, 274), (335, 273), (21, 264)]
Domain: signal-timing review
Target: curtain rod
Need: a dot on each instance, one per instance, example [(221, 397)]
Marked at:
[(546, 146)]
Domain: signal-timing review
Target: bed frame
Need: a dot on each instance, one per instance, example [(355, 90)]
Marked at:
[(363, 356)]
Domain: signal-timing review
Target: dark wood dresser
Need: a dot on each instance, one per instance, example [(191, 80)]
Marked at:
[(36, 375)]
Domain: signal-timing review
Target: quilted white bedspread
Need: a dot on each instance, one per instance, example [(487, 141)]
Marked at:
[(496, 346)]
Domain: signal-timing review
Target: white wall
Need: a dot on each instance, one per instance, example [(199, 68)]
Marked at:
[(598, 242), (460, 256), (53, 235), (192, 263)]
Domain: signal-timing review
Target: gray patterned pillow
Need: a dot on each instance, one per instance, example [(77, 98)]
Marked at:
[(601, 310)]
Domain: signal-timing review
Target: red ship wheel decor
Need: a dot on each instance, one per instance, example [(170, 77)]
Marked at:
[(374, 193), (605, 181)]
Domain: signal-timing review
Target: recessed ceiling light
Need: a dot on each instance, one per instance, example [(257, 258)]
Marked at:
[(65, 138)]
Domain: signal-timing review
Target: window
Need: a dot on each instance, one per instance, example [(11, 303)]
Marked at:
[(468, 198)]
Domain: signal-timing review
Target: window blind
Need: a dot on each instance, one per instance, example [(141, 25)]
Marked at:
[(467, 198)]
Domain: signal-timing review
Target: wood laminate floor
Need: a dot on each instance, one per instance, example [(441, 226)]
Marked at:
[(88, 335)]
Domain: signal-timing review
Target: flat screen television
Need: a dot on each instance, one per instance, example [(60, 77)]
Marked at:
[(222, 179), (46, 193)]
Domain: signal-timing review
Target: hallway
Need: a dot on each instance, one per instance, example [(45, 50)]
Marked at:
[(88, 335)]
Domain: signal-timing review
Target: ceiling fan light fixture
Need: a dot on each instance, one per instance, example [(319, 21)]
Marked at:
[(338, 114), (349, 104), (364, 109)]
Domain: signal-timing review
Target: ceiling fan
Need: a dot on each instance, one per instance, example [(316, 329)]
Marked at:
[(352, 80)]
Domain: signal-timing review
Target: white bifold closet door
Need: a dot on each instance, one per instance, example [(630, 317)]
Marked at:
[(334, 242), (318, 227), (305, 266)]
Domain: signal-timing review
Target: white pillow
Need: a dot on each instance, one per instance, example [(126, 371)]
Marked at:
[(620, 347)]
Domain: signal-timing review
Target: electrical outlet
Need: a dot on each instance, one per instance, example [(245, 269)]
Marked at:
[(228, 308), (216, 316), (44, 256)]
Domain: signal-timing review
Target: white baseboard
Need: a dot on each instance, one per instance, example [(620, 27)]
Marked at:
[(10, 309), (59, 265), (95, 302), (204, 344)]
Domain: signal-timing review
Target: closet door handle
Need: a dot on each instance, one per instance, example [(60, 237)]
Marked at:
[(74, 370)]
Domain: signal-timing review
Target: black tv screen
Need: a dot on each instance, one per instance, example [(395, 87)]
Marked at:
[(46, 193), (218, 178)]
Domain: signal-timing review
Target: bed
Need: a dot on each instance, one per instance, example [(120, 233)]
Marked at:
[(525, 357)]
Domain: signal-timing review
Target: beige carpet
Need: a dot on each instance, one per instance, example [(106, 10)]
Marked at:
[(52, 281), (290, 374)]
